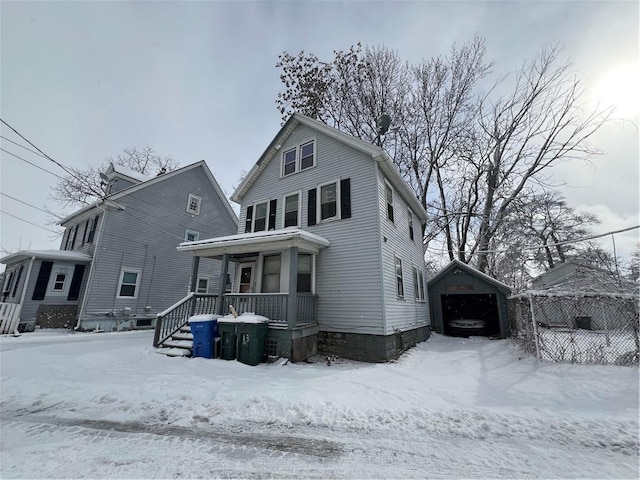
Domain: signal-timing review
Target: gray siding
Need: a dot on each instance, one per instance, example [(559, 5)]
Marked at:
[(401, 313), (144, 237), (348, 277), (30, 307)]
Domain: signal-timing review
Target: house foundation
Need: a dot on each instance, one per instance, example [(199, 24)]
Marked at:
[(371, 348)]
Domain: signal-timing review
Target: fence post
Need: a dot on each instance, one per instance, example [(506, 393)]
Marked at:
[(535, 327), (606, 324)]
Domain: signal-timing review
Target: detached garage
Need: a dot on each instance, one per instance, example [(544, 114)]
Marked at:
[(465, 301)]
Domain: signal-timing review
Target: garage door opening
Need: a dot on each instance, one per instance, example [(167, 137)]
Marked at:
[(470, 314)]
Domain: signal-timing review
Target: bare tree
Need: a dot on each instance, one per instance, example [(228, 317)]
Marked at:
[(541, 122), (83, 185), (467, 156)]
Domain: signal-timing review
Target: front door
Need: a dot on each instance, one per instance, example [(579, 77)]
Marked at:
[(246, 278)]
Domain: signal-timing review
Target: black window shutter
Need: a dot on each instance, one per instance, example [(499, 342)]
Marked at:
[(345, 198), (42, 281), (75, 234), (15, 286), (273, 204), (311, 208), (76, 281), (247, 223)]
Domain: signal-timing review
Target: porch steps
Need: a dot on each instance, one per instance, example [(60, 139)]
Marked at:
[(180, 344)]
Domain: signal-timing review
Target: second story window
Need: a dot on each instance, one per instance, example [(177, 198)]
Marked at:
[(330, 201), (193, 204), (291, 210), (410, 216), (399, 280), (261, 216), (260, 222), (389, 195)]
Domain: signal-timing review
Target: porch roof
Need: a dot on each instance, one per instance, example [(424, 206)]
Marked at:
[(72, 256), (256, 242)]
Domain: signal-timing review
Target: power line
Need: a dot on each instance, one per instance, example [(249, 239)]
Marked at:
[(22, 146), (31, 163), (31, 223), (564, 242), (66, 169), (29, 205)]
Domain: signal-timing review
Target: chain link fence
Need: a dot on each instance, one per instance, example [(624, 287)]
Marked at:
[(577, 328)]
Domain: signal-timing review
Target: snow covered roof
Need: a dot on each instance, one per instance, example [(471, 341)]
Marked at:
[(378, 154), (257, 241), (576, 277), (46, 255), (469, 269), (115, 170)]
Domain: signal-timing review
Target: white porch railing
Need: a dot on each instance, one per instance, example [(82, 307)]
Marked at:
[(9, 317)]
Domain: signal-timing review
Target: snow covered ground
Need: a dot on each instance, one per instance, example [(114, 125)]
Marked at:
[(107, 406)]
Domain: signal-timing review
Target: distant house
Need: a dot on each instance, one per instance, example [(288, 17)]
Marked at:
[(579, 295), (117, 265), (329, 248)]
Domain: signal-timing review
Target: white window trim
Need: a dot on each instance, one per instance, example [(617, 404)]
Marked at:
[(421, 289), (192, 232), (64, 282), (397, 259), (254, 216), (412, 230), (206, 279), (138, 282), (386, 201), (284, 208), (298, 160), (194, 197), (319, 202)]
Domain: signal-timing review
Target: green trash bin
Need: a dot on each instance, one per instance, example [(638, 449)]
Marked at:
[(251, 337), (228, 339)]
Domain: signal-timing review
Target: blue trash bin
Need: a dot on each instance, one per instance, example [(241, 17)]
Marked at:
[(204, 329)]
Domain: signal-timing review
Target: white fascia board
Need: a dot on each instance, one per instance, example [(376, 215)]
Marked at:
[(244, 243)]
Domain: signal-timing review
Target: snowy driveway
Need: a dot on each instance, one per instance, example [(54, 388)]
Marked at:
[(105, 405)]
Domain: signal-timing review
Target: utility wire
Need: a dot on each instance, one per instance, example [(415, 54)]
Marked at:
[(564, 242), (31, 163), (29, 205), (27, 221), (22, 146), (66, 169)]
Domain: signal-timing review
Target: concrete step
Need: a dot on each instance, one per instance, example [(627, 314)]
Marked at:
[(187, 344), (182, 336), (174, 352)]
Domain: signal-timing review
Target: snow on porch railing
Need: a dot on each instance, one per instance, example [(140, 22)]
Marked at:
[(9, 317), (270, 305), (177, 315)]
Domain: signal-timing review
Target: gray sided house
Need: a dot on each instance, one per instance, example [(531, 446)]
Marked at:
[(117, 266), (329, 248), (459, 291)]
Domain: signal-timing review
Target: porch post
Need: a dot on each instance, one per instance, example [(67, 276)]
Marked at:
[(194, 273), (292, 298), (224, 270)]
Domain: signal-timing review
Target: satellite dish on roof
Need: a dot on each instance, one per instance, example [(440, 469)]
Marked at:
[(383, 123), (104, 178)]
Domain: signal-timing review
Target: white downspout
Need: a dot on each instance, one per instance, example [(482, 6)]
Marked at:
[(93, 262)]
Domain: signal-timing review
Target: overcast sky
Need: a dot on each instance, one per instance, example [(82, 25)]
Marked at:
[(197, 80)]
